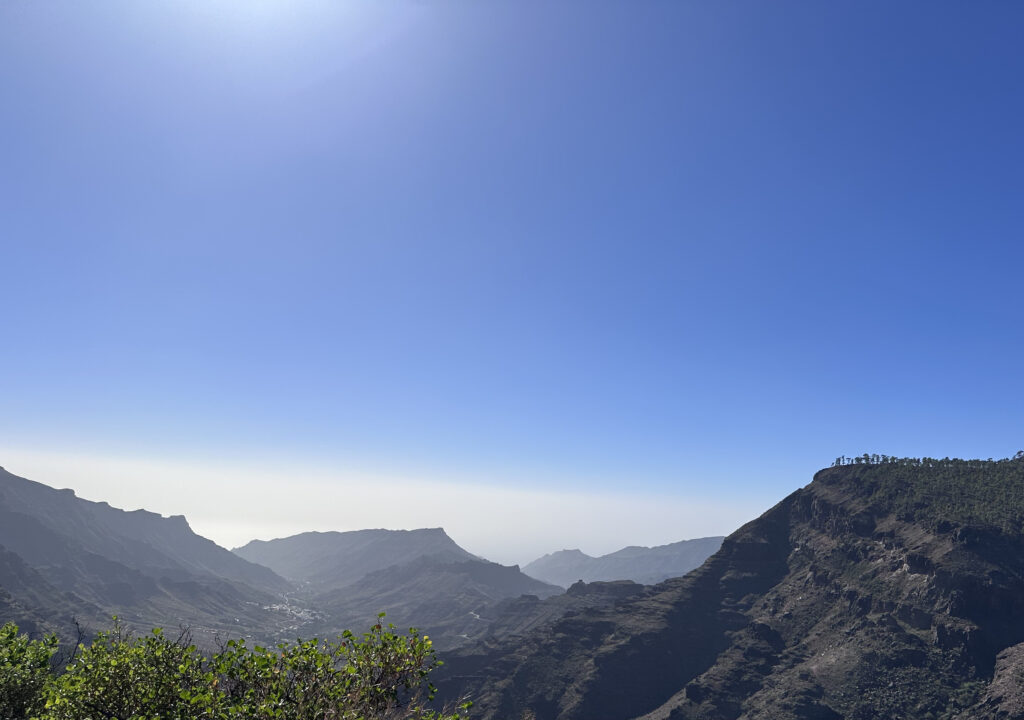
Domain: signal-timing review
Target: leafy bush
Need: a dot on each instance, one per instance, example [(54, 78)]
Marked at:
[(380, 674), (24, 672), (119, 676)]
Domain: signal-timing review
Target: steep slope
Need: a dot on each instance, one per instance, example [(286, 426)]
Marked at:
[(452, 601), (520, 615), (34, 605), (418, 577), (645, 565), (147, 569), (337, 559), (883, 589), (139, 539)]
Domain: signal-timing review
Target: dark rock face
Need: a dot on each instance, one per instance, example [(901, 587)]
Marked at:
[(526, 613), (1003, 698), (839, 602)]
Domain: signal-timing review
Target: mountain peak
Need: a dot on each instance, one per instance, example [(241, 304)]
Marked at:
[(342, 558)]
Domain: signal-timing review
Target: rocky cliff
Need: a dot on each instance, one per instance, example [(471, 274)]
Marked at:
[(881, 590)]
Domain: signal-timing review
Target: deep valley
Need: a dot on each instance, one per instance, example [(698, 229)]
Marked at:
[(887, 587)]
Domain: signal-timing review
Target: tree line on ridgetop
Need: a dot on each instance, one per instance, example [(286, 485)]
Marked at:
[(944, 493), (876, 459)]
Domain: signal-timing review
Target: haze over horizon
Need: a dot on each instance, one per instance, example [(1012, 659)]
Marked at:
[(233, 504), (545, 275)]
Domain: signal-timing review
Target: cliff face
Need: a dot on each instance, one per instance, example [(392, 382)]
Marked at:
[(888, 590), (63, 558), (55, 529)]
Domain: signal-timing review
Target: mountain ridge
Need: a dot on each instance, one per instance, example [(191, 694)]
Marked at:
[(890, 589), (644, 565), (338, 558), (65, 559), (418, 577), (147, 569)]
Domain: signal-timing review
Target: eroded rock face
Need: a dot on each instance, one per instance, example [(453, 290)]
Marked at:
[(839, 602), (1004, 696)]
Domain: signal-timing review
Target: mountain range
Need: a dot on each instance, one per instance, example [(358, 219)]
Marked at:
[(886, 588), (66, 561), (419, 577), (890, 588), (330, 560), (64, 557), (645, 565)]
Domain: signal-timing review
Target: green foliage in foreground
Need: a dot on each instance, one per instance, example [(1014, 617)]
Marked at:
[(380, 674), (24, 672)]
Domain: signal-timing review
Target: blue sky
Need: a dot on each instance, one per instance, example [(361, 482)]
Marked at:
[(680, 252)]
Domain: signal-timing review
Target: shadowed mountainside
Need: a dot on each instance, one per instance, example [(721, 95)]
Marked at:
[(453, 601), (883, 589), (65, 556), (34, 605), (418, 577), (64, 559), (336, 559), (644, 565)]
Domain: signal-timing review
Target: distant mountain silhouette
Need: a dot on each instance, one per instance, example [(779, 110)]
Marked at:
[(65, 555), (645, 565)]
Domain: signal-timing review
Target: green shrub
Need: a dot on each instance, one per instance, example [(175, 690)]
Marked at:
[(120, 676), (24, 672), (381, 674)]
